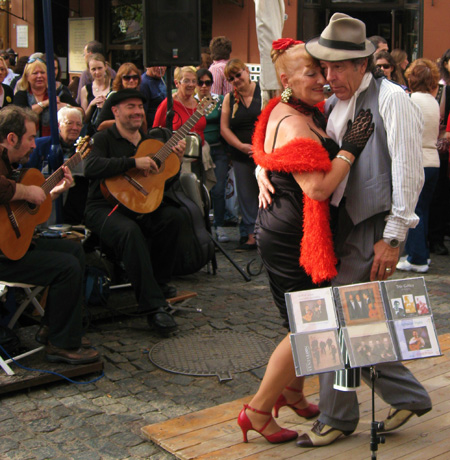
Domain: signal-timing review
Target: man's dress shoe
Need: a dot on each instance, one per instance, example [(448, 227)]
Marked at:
[(71, 356), (320, 435), (161, 320), (398, 417)]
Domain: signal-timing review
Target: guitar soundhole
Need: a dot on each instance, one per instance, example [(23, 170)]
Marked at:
[(32, 208)]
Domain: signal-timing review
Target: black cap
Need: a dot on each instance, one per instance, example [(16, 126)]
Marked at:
[(124, 94), (10, 51)]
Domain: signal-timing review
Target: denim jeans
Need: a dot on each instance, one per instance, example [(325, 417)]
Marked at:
[(416, 244), (220, 158)]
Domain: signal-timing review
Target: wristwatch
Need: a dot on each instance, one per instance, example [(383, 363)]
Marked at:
[(392, 242), (41, 105)]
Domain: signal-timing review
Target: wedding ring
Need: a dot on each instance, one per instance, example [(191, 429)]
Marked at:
[(388, 269)]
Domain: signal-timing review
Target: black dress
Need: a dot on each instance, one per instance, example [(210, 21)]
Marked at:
[(279, 231)]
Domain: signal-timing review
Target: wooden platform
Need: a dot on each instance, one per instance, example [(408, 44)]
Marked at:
[(214, 434)]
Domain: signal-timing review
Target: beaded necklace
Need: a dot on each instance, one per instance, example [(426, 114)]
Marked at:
[(306, 109)]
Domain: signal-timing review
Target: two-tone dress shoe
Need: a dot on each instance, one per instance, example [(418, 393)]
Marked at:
[(398, 417), (320, 435)]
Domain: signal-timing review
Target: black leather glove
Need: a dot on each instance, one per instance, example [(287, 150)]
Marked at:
[(358, 133)]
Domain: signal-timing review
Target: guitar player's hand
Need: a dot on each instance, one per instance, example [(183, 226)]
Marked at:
[(147, 165), (31, 193), (65, 183), (179, 149)]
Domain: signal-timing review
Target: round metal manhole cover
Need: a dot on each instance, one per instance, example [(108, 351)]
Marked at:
[(218, 353)]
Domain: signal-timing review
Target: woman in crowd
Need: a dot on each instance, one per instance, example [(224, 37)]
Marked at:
[(127, 77), (32, 91), (218, 153), (400, 58), (6, 92), (18, 70), (93, 95), (240, 111), (304, 167), (423, 79), (386, 62), (184, 102)]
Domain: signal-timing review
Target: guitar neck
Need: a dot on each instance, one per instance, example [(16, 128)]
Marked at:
[(57, 176), (181, 133)]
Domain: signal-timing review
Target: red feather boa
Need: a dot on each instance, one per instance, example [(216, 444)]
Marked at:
[(302, 155)]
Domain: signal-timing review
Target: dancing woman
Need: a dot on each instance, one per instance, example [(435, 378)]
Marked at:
[(293, 232)]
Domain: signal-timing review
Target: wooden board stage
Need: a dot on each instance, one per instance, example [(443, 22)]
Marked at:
[(214, 434)]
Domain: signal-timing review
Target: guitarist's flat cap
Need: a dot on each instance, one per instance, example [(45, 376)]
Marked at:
[(124, 94)]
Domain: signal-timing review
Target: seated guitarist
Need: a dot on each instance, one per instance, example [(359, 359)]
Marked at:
[(58, 264), (145, 243)]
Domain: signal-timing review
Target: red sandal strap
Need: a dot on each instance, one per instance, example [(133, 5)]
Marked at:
[(295, 391), (246, 406)]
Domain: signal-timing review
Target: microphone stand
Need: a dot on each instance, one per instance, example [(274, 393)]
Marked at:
[(375, 426)]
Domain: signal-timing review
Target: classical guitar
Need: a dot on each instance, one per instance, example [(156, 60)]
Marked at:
[(18, 219), (143, 194)]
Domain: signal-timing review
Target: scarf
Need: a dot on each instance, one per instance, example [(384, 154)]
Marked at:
[(342, 112), (302, 155)]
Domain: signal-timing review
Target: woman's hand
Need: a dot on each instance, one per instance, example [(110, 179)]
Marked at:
[(98, 101), (247, 149)]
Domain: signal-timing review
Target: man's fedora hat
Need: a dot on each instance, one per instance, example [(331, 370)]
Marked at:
[(343, 38), (124, 94)]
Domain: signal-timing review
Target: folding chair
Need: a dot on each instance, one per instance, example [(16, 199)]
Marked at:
[(31, 292)]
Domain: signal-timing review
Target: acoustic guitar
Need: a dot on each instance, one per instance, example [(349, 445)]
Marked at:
[(18, 219), (143, 194)]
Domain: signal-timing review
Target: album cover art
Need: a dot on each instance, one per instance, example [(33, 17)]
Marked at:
[(311, 310), (316, 352), (417, 337), (361, 303), (406, 298), (369, 344)]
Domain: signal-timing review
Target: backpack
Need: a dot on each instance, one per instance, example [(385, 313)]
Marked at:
[(195, 246), (97, 286)]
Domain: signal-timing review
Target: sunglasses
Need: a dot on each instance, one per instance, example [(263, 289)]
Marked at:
[(30, 61), (385, 66), (204, 83), (130, 77), (238, 75)]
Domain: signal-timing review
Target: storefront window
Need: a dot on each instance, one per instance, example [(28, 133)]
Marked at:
[(126, 23)]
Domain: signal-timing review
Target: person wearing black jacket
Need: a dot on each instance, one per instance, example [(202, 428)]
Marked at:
[(145, 243)]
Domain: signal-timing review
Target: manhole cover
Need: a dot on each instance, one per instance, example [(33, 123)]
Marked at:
[(212, 353)]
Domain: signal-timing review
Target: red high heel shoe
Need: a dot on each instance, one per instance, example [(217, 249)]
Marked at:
[(308, 412), (246, 425)]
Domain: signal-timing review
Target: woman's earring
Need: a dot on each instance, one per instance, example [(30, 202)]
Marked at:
[(286, 95)]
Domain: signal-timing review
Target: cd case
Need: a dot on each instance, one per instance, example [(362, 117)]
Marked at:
[(379, 322)]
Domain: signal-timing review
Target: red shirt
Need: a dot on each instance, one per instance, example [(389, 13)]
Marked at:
[(181, 115)]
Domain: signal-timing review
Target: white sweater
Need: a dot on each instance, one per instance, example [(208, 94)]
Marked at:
[(430, 110)]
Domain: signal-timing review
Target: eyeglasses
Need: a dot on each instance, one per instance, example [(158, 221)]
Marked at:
[(74, 123), (31, 60), (384, 66), (205, 83), (189, 82), (238, 75), (130, 77)]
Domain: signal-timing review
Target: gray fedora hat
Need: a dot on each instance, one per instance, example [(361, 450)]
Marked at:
[(343, 38)]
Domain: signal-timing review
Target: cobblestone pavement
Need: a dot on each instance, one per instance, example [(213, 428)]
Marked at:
[(102, 420)]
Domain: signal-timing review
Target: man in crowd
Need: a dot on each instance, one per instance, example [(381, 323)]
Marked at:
[(379, 42), (220, 53), (145, 243), (153, 88), (376, 205), (58, 264)]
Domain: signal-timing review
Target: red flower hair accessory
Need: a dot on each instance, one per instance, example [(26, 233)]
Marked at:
[(285, 43)]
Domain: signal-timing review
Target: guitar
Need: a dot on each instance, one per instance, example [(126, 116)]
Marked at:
[(18, 219), (143, 194)]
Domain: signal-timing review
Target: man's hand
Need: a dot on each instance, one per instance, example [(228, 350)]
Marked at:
[(266, 189), (385, 261), (65, 183), (147, 165), (179, 149), (31, 193)]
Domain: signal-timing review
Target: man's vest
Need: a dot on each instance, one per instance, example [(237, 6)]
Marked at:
[(369, 187)]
